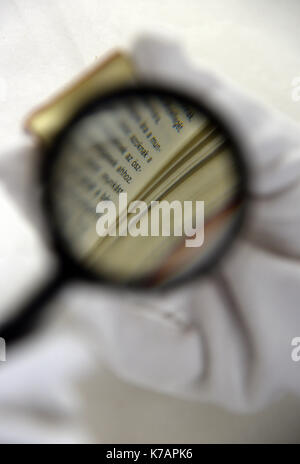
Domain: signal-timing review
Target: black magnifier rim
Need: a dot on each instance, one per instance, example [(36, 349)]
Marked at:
[(71, 266)]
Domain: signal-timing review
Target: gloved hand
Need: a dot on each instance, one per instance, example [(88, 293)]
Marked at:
[(225, 338)]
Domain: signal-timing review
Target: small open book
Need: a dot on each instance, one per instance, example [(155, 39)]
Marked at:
[(153, 148)]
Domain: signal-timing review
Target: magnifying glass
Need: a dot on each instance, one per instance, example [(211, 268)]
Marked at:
[(143, 189)]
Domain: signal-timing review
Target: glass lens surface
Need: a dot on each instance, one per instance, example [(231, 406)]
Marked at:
[(146, 187)]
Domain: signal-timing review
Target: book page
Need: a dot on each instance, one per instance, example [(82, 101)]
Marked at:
[(120, 148)]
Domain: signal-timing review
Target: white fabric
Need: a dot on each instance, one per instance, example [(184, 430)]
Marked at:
[(225, 339)]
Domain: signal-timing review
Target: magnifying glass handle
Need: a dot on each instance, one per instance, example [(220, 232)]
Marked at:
[(28, 317)]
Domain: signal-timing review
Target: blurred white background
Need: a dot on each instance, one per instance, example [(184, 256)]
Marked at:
[(254, 42)]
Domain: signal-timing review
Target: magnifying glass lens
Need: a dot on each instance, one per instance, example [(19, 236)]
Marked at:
[(145, 187)]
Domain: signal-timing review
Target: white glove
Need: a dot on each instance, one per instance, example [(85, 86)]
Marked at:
[(227, 338)]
